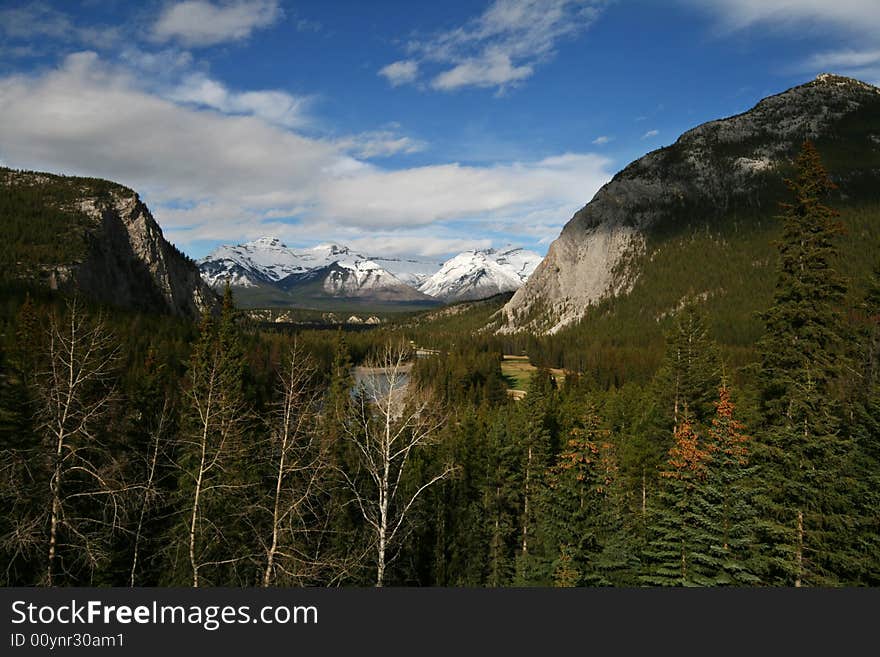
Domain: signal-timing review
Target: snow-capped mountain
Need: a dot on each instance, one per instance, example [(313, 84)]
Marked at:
[(269, 260), (412, 271), (480, 274), (335, 271)]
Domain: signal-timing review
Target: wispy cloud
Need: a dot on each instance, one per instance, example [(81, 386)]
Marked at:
[(493, 69), (861, 64), (203, 23), (381, 143), (503, 45), (650, 134), (425, 243), (855, 16), (39, 20), (856, 21), (601, 140), (400, 72)]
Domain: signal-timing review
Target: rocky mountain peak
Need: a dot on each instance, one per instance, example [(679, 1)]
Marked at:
[(710, 169), (112, 248)]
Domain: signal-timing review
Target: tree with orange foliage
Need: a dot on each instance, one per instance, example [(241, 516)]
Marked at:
[(582, 511), (726, 499), (678, 539)]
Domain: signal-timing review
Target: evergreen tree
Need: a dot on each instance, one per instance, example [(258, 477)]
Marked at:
[(865, 429), (581, 516), (691, 370), (537, 451), (724, 500), (802, 449), (679, 540), (683, 388), (502, 501)]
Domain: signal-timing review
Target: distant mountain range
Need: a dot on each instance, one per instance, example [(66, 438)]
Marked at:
[(266, 272)]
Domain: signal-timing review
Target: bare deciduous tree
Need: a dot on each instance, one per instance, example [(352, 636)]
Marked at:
[(85, 484), (300, 466), (149, 492), (390, 421), (218, 416)]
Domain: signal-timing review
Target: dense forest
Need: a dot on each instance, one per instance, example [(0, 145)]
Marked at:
[(142, 450)]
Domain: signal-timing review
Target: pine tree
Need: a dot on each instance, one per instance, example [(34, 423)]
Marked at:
[(678, 537), (581, 516), (691, 370), (724, 499), (537, 449), (683, 388), (802, 450), (865, 429), (502, 502)]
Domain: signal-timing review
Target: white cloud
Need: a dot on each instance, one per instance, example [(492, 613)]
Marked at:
[(503, 45), (422, 195), (843, 59), (211, 176), (38, 19), (381, 143), (650, 134), (492, 70), (274, 106), (89, 118), (601, 140), (861, 64), (400, 72), (204, 23), (856, 16), (424, 243)]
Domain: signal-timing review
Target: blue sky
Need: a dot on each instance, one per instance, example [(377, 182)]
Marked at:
[(408, 128)]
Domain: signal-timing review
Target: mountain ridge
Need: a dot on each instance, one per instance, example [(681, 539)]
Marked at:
[(97, 237), (721, 166), (267, 264)]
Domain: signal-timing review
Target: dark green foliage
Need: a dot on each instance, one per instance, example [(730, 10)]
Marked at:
[(582, 514), (803, 452), (42, 225), (678, 544), (725, 504), (636, 470), (864, 428)]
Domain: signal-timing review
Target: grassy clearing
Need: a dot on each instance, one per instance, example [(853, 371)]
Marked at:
[(518, 372)]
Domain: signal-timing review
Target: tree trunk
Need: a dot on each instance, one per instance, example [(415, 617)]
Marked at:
[(53, 522), (525, 532), (273, 548), (799, 549), (197, 494), (150, 477)]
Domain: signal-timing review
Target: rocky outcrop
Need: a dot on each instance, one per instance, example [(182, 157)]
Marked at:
[(709, 170), (125, 260)]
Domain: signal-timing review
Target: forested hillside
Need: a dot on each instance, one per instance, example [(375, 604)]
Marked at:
[(690, 442), (94, 237)]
